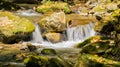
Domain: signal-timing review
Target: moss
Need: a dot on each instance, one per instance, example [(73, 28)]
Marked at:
[(80, 45), (59, 62), (36, 61), (90, 40), (53, 6), (99, 8), (17, 24), (48, 51), (97, 61), (14, 27)]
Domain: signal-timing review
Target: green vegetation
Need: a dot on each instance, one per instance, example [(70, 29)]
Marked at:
[(48, 51), (14, 27), (53, 7)]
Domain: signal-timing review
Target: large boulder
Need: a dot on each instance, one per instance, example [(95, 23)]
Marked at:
[(89, 60), (38, 61), (53, 23), (96, 44), (53, 7), (98, 51), (109, 25), (14, 28), (54, 37)]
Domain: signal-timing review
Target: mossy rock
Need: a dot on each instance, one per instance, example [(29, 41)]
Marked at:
[(91, 40), (43, 61), (89, 60), (59, 62), (36, 61), (109, 24), (8, 5), (48, 51), (56, 22), (99, 8), (96, 44), (14, 28), (53, 7)]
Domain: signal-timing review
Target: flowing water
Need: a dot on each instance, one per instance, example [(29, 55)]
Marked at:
[(73, 35)]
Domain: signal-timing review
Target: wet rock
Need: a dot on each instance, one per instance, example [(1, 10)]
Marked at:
[(53, 23), (59, 62), (48, 51), (54, 37), (14, 29), (88, 60), (36, 61), (8, 52), (108, 25), (31, 47), (96, 44), (53, 7)]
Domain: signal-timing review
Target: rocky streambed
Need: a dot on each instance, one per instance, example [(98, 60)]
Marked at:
[(57, 34)]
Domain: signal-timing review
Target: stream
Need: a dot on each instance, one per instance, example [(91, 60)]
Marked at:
[(73, 35)]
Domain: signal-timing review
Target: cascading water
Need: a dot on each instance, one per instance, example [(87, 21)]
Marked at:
[(80, 32), (36, 36), (74, 36)]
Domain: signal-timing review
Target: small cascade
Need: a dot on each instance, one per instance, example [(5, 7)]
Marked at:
[(80, 32), (36, 36)]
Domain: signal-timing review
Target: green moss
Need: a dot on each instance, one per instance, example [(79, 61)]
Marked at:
[(80, 45), (48, 51), (89, 40), (53, 6), (36, 61), (88, 60), (99, 8), (15, 25)]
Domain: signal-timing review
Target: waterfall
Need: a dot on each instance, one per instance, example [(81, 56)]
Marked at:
[(36, 36), (74, 35), (80, 32)]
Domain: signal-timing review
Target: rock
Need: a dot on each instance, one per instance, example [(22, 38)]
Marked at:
[(8, 5), (53, 7), (54, 37), (112, 6), (36, 61), (88, 60), (99, 9), (96, 44), (7, 52), (31, 47), (48, 51), (53, 23), (14, 29), (1, 48), (109, 24), (59, 62)]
